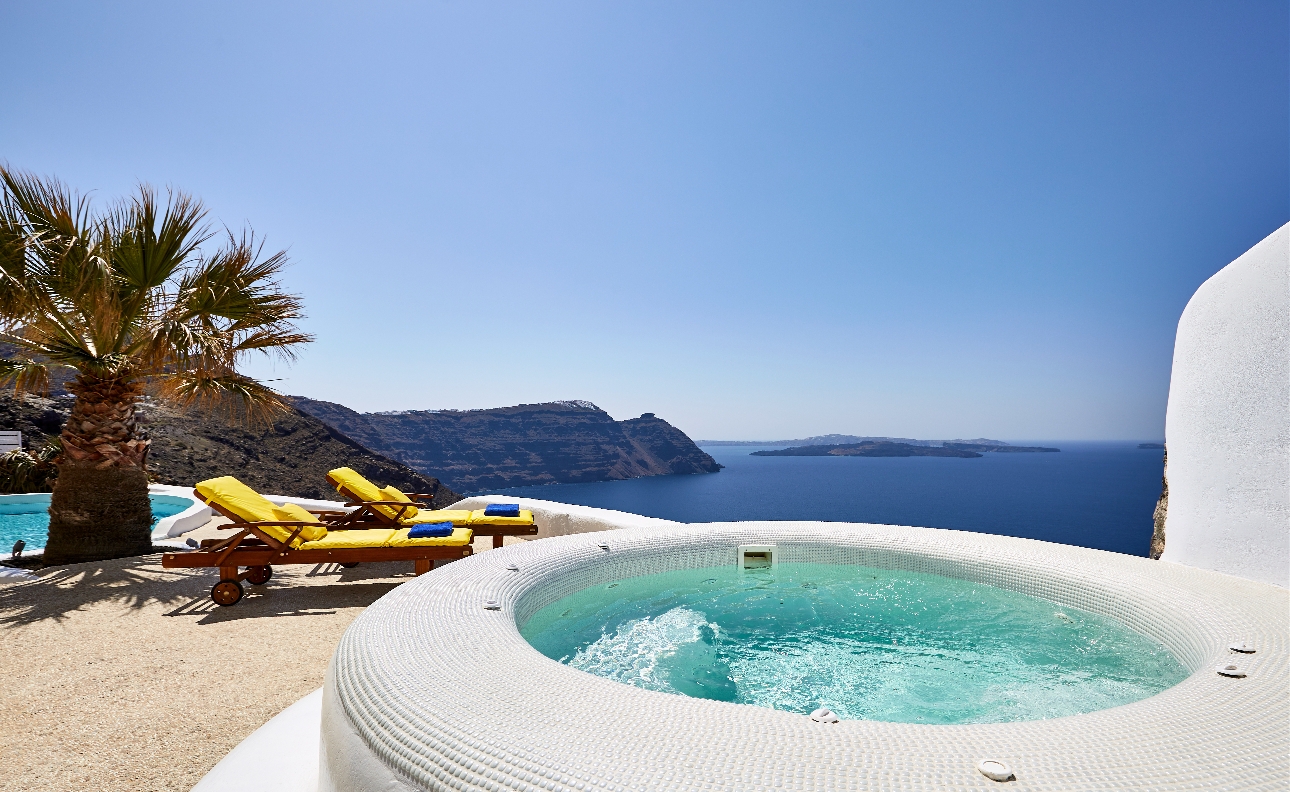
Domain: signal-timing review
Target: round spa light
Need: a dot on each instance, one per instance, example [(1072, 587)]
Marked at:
[(995, 770)]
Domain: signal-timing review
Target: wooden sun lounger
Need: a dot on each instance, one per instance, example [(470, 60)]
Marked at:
[(256, 551), (365, 514)]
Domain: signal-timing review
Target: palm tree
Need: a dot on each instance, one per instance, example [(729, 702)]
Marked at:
[(131, 299)]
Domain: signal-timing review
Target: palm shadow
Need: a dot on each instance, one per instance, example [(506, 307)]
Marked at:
[(140, 581)]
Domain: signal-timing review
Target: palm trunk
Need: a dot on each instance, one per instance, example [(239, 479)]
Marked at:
[(100, 508)]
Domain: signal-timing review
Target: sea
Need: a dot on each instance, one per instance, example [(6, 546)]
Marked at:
[(1098, 495)]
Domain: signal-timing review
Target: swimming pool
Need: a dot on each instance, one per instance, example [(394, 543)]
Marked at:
[(26, 517), (866, 643)]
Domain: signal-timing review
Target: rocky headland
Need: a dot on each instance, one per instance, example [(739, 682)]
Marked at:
[(551, 443), (290, 457)]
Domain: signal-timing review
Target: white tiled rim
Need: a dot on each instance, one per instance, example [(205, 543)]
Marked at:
[(430, 690)]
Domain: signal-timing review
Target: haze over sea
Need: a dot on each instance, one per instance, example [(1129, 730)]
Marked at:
[(1098, 495)]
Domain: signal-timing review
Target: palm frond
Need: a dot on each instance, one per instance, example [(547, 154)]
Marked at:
[(151, 243), (273, 339), (48, 205), (133, 294), (25, 374), (238, 396)]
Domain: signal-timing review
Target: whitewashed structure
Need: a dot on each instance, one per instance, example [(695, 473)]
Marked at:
[(1227, 430)]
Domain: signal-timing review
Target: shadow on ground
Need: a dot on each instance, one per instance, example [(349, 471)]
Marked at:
[(141, 581)]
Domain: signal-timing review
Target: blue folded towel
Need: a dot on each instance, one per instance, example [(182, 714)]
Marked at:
[(427, 530), (502, 510)]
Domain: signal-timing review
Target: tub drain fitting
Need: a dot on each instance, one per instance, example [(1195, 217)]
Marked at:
[(1242, 647), (1230, 670), (492, 605)]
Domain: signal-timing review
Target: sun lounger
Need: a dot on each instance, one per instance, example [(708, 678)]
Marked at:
[(389, 507), (269, 534)]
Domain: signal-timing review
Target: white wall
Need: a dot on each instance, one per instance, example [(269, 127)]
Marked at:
[(1228, 424), (559, 519)]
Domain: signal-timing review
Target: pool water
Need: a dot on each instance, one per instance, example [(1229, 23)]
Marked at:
[(869, 644), (30, 521)]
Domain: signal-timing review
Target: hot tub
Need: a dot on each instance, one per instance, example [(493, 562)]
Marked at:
[(434, 687)]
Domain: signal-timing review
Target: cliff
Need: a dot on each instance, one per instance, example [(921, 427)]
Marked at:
[(556, 442), (289, 458)]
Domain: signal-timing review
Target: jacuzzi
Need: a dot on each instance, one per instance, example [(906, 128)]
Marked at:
[(433, 687)]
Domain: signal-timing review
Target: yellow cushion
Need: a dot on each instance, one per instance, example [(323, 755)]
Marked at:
[(459, 537), (394, 494), (250, 506), (349, 540), (348, 481), (457, 516), (234, 496), (293, 513), (477, 518)]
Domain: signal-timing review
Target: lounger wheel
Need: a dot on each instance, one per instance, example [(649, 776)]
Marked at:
[(350, 564), (259, 575), (226, 592)]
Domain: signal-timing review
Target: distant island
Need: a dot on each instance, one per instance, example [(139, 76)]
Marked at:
[(843, 439), (887, 448), (831, 439), (1158, 446)]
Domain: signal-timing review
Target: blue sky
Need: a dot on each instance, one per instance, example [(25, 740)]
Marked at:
[(754, 219)]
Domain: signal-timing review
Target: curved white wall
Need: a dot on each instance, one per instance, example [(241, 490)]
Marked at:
[(1228, 423), (561, 519)]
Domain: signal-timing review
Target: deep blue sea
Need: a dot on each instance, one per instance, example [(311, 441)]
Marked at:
[(1098, 495)]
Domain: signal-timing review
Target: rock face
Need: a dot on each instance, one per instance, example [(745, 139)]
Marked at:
[(1228, 422), (1159, 515), (557, 442), (289, 458)]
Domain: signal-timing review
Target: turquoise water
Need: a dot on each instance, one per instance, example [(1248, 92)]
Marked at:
[(869, 644), (30, 521)]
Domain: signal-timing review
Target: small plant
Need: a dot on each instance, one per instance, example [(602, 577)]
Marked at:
[(21, 471)]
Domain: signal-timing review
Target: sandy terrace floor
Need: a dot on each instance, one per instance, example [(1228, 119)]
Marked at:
[(121, 675)]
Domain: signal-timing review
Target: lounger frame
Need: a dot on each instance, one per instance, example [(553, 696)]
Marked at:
[(366, 514), (253, 548)]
